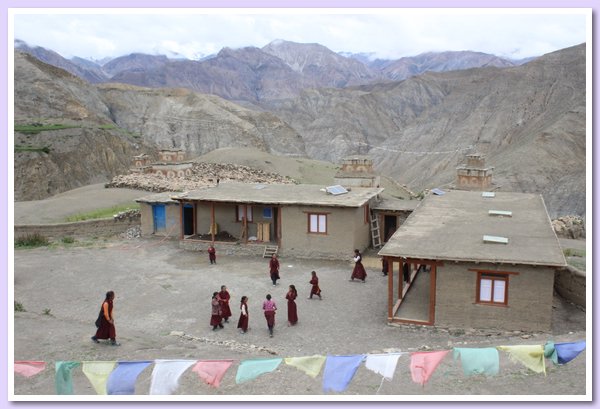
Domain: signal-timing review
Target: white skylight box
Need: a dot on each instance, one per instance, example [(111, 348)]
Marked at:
[(506, 213), (495, 239), (488, 194), (336, 190)]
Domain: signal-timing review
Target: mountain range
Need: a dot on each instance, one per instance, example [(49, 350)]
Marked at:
[(302, 100)]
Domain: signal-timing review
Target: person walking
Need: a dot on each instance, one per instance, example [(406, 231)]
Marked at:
[(212, 254), (269, 308), (224, 298), (359, 271), (274, 269), (291, 296), (244, 317), (315, 289), (106, 326), (215, 317)]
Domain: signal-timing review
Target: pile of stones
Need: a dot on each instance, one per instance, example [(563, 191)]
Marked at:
[(570, 227)]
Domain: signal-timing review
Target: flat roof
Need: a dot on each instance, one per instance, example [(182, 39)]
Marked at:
[(164, 197), (279, 194), (394, 204), (452, 226)]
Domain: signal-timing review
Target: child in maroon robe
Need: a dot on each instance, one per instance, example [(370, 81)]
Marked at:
[(215, 317), (359, 271), (292, 309), (224, 303), (212, 255), (244, 317), (315, 290), (274, 269), (269, 308)]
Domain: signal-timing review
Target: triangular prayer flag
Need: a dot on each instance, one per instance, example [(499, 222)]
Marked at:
[(29, 368), (567, 351), (478, 360), (532, 356), (97, 373), (63, 379), (252, 368), (212, 371), (310, 365), (383, 364), (424, 364), (122, 379), (339, 371), (166, 374)]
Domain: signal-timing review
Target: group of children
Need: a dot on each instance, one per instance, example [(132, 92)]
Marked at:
[(220, 300)]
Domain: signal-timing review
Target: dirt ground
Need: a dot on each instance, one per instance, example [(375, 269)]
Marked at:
[(162, 310)]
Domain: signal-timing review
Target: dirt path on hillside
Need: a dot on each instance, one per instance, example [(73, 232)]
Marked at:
[(163, 309)]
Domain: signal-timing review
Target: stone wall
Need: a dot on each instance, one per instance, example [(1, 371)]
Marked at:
[(87, 228), (569, 283)]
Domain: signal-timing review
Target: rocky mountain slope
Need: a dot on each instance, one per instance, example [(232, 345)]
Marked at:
[(529, 121), (262, 76), (69, 133)]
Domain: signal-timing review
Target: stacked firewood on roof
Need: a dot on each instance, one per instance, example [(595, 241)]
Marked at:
[(203, 174)]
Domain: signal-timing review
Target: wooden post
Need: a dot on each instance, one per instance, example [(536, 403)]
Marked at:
[(181, 227), (390, 289), (212, 222)]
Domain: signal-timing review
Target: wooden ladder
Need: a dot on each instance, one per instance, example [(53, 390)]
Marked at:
[(269, 251), (376, 238)]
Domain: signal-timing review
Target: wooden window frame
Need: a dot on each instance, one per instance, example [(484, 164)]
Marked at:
[(488, 275), (249, 213), (308, 227)]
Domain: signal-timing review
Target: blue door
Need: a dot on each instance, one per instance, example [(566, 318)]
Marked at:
[(158, 213)]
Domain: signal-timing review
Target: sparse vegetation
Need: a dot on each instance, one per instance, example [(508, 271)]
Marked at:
[(31, 241), (47, 311), (568, 252), (68, 240), (30, 148), (102, 213), (19, 307), (38, 127)]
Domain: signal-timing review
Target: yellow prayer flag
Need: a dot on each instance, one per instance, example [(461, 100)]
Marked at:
[(98, 373), (532, 356), (310, 365)]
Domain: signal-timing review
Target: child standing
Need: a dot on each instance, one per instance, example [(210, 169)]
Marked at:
[(212, 254), (315, 290)]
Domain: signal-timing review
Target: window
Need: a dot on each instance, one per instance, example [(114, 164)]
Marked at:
[(240, 213), (317, 223), (492, 289), (267, 213)]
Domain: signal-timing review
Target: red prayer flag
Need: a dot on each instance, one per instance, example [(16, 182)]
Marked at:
[(212, 371), (29, 368), (423, 364)]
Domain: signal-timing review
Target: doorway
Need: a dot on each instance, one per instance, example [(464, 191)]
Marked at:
[(188, 219), (390, 223)]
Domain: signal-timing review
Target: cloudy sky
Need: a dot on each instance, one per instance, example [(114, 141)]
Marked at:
[(388, 33)]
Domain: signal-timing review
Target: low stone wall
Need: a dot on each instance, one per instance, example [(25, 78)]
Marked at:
[(569, 282), (86, 228), (224, 248)]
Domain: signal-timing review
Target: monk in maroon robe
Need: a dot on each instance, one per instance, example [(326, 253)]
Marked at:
[(215, 317), (274, 269), (107, 330), (224, 303), (315, 289), (291, 296), (359, 271), (244, 316)]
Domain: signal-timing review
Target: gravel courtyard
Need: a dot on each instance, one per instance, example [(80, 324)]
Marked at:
[(162, 310)]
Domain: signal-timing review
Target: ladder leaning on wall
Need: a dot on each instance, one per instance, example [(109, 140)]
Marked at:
[(375, 236)]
